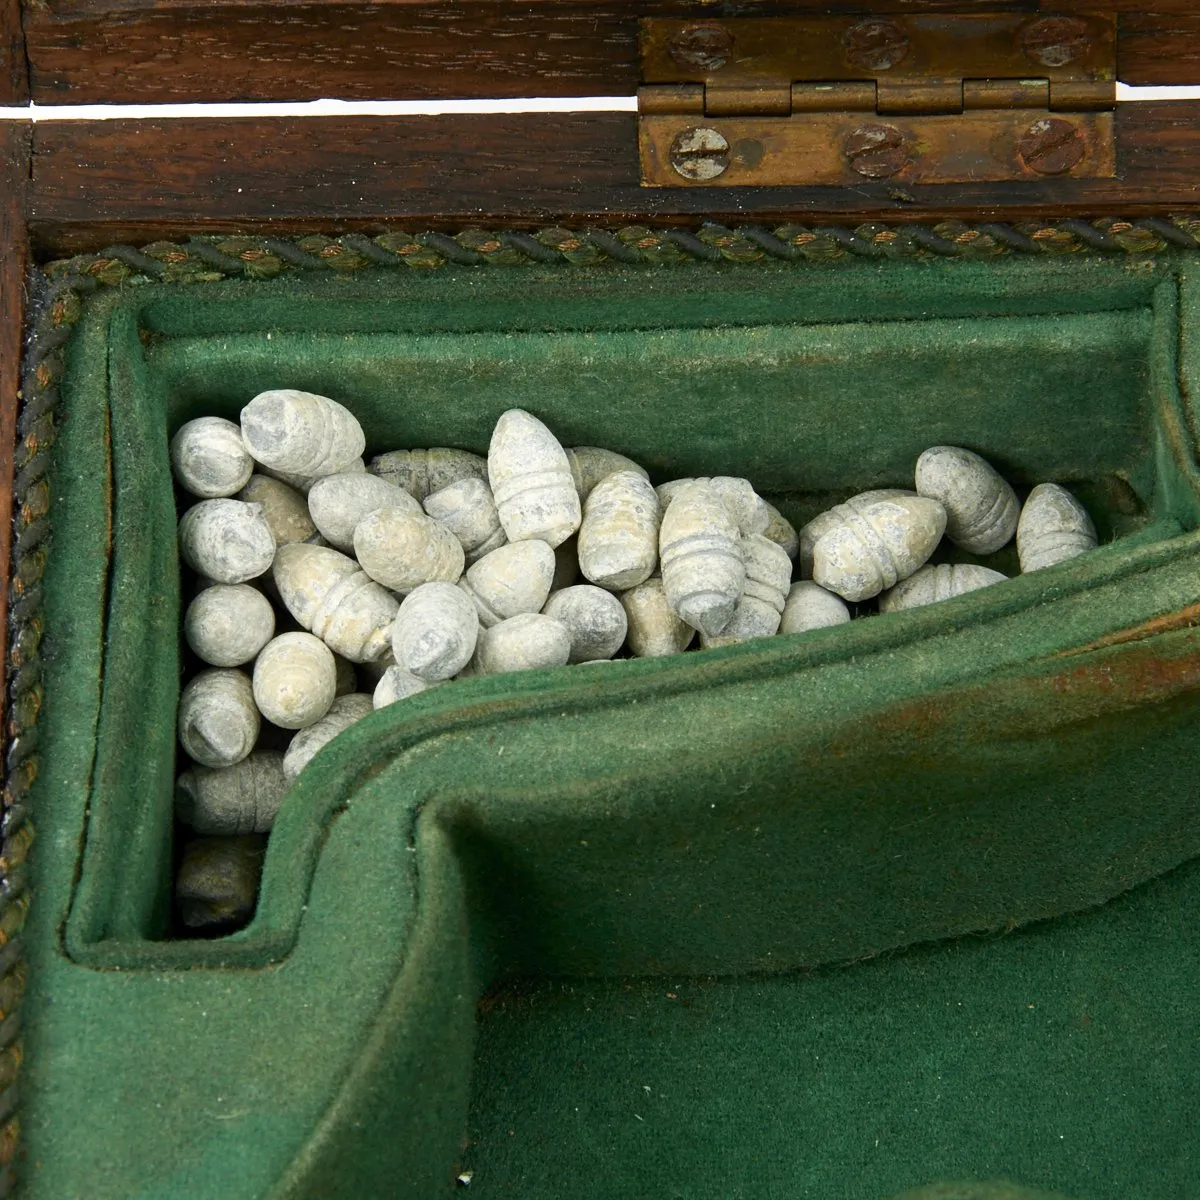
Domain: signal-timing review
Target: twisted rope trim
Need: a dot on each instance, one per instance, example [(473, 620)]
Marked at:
[(53, 310), (57, 302), (210, 258)]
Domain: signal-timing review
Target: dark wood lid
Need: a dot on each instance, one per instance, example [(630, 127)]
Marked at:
[(179, 51), (89, 183)]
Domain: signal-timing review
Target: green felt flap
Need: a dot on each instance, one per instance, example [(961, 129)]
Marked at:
[(1014, 754)]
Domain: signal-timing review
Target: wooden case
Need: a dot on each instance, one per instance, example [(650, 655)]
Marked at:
[(138, 199)]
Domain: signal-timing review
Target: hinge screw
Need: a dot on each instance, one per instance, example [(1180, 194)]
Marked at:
[(705, 47), (700, 154), (875, 45), (877, 151), (1056, 41), (1051, 146)]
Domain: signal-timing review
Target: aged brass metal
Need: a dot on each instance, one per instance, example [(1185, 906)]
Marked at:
[(836, 100)]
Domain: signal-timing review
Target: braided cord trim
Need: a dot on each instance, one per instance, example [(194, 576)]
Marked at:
[(53, 311), (57, 302), (264, 257)]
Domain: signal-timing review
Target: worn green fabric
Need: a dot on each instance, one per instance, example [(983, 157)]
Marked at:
[(1013, 755), (1062, 1056), (977, 1191)]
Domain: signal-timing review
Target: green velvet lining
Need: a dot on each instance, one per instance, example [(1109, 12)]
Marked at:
[(1013, 755), (1063, 1056)]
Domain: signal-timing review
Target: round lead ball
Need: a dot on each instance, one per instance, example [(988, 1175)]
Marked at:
[(240, 799), (402, 549), (295, 680), (337, 503), (208, 458), (300, 432), (1053, 527), (531, 480), (343, 712), (227, 624), (981, 507), (435, 631), (218, 722), (522, 643), (226, 540), (810, 606), (594, 619)]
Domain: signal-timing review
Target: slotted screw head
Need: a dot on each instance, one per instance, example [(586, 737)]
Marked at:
[(1051, 146), (700, 154), (877, 151), (704, 47), (1056, 41), (875, 45)]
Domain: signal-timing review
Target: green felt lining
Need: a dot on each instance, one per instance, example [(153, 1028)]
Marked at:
[(1062, 1056), (1006, 757)]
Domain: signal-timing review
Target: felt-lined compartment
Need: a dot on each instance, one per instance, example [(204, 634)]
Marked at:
[(1062, 1056), (996, 759)]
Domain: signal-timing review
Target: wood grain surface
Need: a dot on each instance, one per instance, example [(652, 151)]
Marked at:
[(14, 70), (169, 51), (94, 182), (14, 173)]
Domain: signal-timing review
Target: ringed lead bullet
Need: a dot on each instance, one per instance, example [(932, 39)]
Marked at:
[(618, 539), (702, 567), (332, 597), (933, 583), (402, 549), (305, 744), (240, 799), (981, 508), (1053, 527), (301, 433), (468, 510), (218, 722), (871, 544), (337, 503), (530, 478)]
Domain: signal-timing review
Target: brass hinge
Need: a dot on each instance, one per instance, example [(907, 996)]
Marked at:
[(923, 99)]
